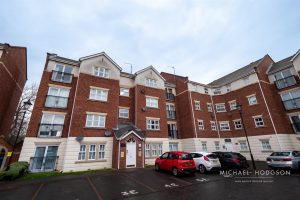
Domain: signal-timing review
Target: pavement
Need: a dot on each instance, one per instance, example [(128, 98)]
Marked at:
[(148, 184)]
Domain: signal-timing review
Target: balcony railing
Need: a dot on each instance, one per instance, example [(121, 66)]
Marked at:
[(285, 82), (296, 127), (292, 104), (50, 130), (171, 114), (38, 164), (173, 134), (170, 96), (63, 77), (56, 101)]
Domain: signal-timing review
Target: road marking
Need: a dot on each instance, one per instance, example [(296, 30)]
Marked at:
[(202, 180), (139, 182), (171, 185), (94, 188), (179, 180), (37, 191), (130, 192)]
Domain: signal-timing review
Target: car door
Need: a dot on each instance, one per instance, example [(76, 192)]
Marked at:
[(197, 159), (172, 161), (163, 161)]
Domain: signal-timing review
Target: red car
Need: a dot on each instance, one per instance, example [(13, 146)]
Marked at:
[(177, 162)]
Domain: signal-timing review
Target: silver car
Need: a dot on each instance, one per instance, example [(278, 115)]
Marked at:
[(284, 159)]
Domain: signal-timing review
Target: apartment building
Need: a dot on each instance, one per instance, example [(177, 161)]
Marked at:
[(89, 114), (13, 73)]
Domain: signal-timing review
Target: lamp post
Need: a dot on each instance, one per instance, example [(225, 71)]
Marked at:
[(239, 107), (27, 105)]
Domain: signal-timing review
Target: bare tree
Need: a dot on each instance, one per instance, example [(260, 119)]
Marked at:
[(29, 93)]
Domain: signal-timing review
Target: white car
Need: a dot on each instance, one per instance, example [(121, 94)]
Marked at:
[(205, 161)]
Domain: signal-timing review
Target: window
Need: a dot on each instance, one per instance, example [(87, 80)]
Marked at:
[(291, 100), (101, 151), (51, 125), (95, 120), (266, 145), (258, 120), (153, 150), (153, 124), (101, 72), (224, 126), (217, 91), (124, 92), (57, 97), (62, 73), (209, 107), (173, 146), (197, 105), (295, 119), (246, 80), (204, 146), (123, 112), (81, 155), (217, 145), (284, 79), (147, 151), (243, 146), (228, 87), (238, 124), (220, 107), (232, 105), (171, 114), (151, 82), (213, 125), (252, 100), (92, 152), (200, 125), (98, 94), (152, 102), (206, 90)]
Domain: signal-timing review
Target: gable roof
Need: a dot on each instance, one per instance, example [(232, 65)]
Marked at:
[(127, 128), (152, 68), (280, 65), (101, 54), (237, 74)]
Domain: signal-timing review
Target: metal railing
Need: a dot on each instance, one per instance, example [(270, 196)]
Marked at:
[(170, 96), (63, 77), (171, 114), (50, 130), (296, 127), (292, 104), (285, 82), (38, 164), (173, 134), (56, 101)]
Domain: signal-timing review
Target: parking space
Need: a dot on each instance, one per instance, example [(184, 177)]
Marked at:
[(24, 192)]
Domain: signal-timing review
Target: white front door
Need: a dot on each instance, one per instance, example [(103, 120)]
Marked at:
[(131, 153), (228, 146)]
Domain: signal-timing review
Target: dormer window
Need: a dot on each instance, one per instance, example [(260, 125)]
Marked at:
[(217, 91), (101, 72), (151, 82)]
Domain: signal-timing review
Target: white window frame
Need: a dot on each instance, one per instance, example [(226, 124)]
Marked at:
[(92, 152), (209, 107), (243, 145), (173, 147), (246, 80), (152, 102), (232, 105), (98, 94), (101, 152), (123, 114), (153, 122), (213, 125), (265, 144), (200, 124), (204, 146), (252, 101), (82, 153), (101, 72), (197, 105), (222, 123), (217, 145), (238, 124), (258, 121), (124, 92), (151, 82), (220, 105), (101, 122), (147, 150)]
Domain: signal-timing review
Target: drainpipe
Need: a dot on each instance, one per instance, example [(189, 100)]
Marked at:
[(215, 115), (119, 155), (193, 114), (265, 101)]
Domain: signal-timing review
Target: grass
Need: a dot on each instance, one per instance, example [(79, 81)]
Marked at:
[(149, 166), (38, 175)]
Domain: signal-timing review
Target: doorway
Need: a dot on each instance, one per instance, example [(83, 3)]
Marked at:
[(44, 159), (2, 157), (130, 153)]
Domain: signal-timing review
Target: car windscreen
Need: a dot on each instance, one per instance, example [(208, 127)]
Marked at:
[(212, 156), (186, 156), (280, 154), (236, 155)]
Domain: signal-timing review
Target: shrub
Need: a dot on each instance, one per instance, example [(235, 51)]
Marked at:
[(16, 170)]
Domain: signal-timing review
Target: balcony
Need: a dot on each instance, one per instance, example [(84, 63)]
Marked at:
[(56, 102), (285, 82), (296, 127), (292, 104), (170, 96), (61, 77), (173, 134), (39, 164), (50, 130), (171, 114)]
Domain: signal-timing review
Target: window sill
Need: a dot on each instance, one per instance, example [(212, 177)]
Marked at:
[(152, 107), (267, 151), (260, 126), (225, 130), (95, 100), (100, 128), (253, 104), (123, 117), (221, 111), (152, 130), (50, 137), (89, 161)]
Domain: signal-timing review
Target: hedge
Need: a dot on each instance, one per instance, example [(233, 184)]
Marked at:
[(16, 170)]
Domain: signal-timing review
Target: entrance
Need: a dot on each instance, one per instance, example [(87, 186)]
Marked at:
[(44, 158), (130, 153), (2, 156)]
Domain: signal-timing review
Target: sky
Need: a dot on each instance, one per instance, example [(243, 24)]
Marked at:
[(202, 39)]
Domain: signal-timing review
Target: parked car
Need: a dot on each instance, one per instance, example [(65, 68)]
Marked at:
[(284, 159), (232, 160), (206, 161), (177, 162)]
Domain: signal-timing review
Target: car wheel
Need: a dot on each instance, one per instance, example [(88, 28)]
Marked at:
[(157, 167), (202, 169), (175, 171)]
